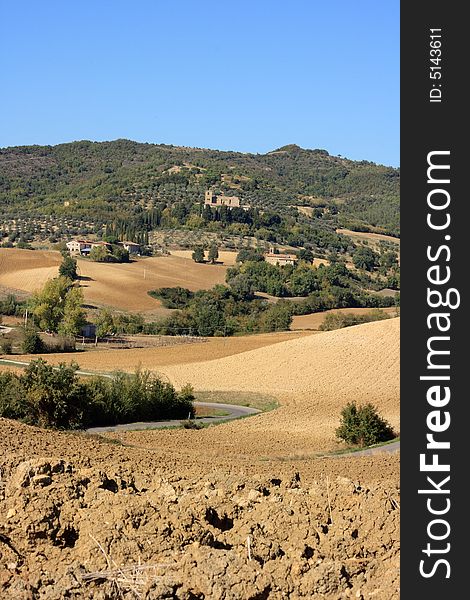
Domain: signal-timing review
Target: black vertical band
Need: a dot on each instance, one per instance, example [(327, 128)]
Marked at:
[(434, 355)]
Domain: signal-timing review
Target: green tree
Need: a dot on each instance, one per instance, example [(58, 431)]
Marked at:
[(305, 255), (68, 268), (213, 253), (198, 254), (55, 394), (121, 254), (105, 324), (99, 254), (249, 254), (74, 317), (365, 258), (49, 303), (278, 317), (363, 426)]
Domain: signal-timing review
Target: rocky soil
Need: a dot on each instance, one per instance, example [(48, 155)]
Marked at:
[(97, 520)]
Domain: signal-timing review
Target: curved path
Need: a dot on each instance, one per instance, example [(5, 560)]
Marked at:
[(391, 447), (234, 412)]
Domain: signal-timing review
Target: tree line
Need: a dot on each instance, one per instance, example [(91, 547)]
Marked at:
[(56, 397)]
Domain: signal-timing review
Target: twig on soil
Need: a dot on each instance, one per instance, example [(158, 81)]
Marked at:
[(114, 572), (328, 494), (248, 547), (393, 502)]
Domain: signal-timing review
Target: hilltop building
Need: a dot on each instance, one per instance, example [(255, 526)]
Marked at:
[(274, 258), (213, 199)]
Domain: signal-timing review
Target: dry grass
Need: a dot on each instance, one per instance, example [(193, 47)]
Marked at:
[(226, 257), (371, 237)]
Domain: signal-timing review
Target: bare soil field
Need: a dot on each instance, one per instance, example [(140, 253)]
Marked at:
[(313, 377), (125, 286), (27, 270), (153, 358), (245, 510), (82, 518), (120, 286), (314, 320)]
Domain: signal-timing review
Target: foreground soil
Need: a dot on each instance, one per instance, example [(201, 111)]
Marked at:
[(85, 519), (244, 510)]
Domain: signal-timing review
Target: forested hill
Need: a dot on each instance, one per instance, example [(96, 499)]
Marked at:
[(105, 180)]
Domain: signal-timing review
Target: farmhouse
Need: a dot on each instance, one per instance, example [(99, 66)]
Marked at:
[(212, 199), (274, 258), (83, 247), (131, 247)]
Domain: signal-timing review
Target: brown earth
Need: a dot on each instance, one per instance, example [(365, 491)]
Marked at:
[(27, 270), (244, 510), (153, 358), (86, 519)]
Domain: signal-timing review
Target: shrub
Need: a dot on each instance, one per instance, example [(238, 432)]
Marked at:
[(55, 397), (363, 426), (32, 343), (12, 397), (340, 320), (6, 347), (198, 254), (191, 424), (10, 305), (177, 297)]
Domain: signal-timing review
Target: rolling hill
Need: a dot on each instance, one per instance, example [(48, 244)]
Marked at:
[(103, 181)]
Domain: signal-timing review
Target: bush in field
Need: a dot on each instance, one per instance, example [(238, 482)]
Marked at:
[(55, 396), (32, 343), (213, 253), (13, 404), (363, 426), (198, 254)]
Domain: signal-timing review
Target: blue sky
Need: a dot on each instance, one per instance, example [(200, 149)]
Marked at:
[(239, 75)]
